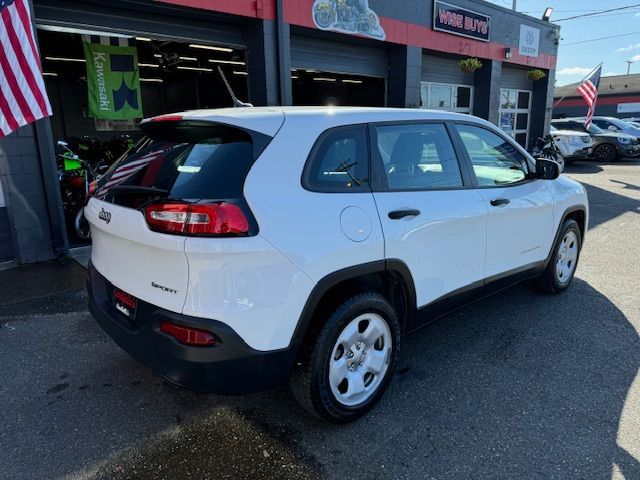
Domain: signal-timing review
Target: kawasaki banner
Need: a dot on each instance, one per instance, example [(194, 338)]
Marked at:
[(113, 80)]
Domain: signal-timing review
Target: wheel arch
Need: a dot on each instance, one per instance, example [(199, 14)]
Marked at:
[(391, 278), (577, 213)]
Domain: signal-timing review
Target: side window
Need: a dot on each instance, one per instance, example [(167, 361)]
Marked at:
[(605, 125), (339, 162), (417, 157), (495, 160)]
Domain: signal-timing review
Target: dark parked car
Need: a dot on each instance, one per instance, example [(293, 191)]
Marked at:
[(608, 146)]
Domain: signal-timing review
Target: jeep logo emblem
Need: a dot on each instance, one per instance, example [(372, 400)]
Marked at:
[(104, 215)]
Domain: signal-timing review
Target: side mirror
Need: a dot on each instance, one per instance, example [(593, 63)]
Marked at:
[(547, 169)]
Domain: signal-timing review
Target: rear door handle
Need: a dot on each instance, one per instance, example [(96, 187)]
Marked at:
[(496, 202), (398, 214)]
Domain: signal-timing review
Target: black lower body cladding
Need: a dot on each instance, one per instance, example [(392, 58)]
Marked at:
[(230, 367)]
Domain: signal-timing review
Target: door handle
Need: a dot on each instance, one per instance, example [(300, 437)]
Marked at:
[(398, 214), (496, 202)]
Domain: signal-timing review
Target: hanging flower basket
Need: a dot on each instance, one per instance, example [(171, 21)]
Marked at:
[(536, 74), (470, 65)]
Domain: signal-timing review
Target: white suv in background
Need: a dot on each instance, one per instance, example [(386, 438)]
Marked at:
[(236, 249), (572, 145)]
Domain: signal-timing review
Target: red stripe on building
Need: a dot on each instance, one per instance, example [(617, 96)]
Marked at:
[(299, 12), (602, 100)]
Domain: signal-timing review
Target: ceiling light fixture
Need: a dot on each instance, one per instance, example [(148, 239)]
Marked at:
[(196, 69), (209, 47), (49, 74), (143, 39), (351, 81), (65, 59), (155, 80), (226, 62), (149, 65), (188, 59), (240, 73), (323, 79)]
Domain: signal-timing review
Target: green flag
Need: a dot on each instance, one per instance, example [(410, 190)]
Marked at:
[(113, 81)]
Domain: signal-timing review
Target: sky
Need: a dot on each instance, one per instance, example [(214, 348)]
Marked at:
[(577, 60)]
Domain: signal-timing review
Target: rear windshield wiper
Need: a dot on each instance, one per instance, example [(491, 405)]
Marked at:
[(137, 189)]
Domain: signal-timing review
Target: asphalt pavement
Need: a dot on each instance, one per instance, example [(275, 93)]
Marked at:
[(520, 385)]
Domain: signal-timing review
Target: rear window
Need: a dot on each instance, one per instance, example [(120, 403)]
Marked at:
[(183, 161)]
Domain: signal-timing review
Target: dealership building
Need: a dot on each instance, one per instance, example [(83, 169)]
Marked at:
[(403, 53), (618, 96)]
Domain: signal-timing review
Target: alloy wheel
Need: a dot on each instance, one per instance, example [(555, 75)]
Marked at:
[(606, 153)]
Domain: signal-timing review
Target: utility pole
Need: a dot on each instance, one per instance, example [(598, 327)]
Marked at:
[(629, 62), (514, 5)]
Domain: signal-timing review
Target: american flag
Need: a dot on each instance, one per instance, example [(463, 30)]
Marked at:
[(589, 91), (23, 98)]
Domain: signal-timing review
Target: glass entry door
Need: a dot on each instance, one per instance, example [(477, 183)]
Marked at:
[(514, 114)]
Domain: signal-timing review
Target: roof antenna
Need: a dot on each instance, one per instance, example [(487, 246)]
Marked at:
[(236, 103)]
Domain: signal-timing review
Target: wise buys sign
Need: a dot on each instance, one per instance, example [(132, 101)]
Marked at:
[(461, 21), (113, 81)]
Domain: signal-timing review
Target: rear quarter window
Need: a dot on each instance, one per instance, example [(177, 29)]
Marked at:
[(338, 162)]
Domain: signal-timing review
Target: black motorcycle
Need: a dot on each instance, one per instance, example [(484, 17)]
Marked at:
[(547, 148), (75, 175)]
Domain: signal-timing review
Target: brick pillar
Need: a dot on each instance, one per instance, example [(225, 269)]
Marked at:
[(405, 71), (541, 106), (22, 179), (262, 63), (486, 97)]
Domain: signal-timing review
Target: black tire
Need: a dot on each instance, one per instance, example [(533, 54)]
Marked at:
[(549, 281), (606, 153), (309, 381), (81, 226)]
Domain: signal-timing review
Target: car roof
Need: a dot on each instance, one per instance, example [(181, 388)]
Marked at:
[(268, 120)]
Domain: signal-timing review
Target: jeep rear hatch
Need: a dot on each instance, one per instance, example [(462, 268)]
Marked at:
[(184, 178)]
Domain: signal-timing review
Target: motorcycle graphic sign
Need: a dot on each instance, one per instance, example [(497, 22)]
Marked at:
[(352, 17)]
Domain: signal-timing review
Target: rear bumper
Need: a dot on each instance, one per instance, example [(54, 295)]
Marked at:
[(230, 367)]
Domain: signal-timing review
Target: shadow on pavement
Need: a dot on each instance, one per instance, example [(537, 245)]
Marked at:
[(606, 205), (532, 390), (583, 166), (626, 185)]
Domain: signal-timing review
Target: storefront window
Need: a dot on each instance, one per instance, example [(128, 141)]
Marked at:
[(443, 96), (515, 113)]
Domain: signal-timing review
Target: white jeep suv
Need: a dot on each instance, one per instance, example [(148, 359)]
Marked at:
[(236, 249)]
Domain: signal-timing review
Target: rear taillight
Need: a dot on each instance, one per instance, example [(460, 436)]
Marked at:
[(187, 335), (210, 219)]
